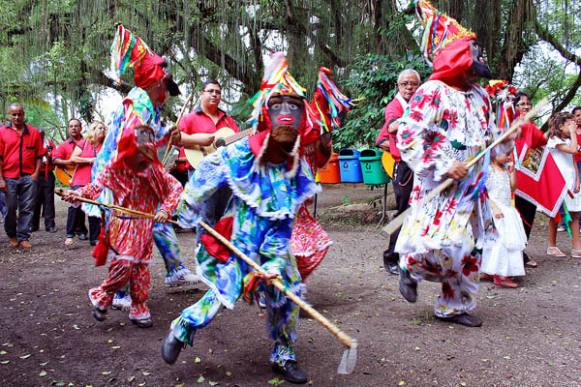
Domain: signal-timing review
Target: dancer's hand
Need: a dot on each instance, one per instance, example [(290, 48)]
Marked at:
[(267, 277), (71, 197), (458, 171), (175, 136), (161, 216)]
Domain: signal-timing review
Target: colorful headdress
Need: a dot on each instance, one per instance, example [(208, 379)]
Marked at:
[(320, 115), (129, 51), (440, 29)]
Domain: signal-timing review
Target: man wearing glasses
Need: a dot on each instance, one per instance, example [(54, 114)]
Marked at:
[(408, 82), (199, 127)]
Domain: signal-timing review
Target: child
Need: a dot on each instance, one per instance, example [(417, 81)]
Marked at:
[(563, 145), (504, 258), (138, 181)]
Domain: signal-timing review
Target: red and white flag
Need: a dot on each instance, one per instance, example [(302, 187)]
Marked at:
[(539, 180)]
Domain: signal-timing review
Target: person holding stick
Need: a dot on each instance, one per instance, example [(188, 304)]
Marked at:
[(270, 181), (138, 181), (449, 122), (142, 106)]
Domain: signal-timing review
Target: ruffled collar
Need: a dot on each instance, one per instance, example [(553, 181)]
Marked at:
[(268, 189)]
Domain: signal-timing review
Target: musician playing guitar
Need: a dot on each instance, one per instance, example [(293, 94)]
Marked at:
[(198, 128), (61, 158)]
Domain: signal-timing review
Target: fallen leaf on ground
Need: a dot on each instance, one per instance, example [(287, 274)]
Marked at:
[(105, 373), (401, 383), (275, 381), (211, 383), (130, 379), (145, 373), (5, 362), (3, 352), (201, 379), (25, 356), (197, 360), (42, 373)]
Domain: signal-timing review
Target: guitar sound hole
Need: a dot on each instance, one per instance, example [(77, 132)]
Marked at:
[(220, 142)]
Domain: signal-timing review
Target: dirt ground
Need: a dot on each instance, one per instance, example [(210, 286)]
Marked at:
[(531, 336)]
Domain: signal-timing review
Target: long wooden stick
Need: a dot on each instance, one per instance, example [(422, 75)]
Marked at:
[(166, 153), (339, 334), (398, 221)]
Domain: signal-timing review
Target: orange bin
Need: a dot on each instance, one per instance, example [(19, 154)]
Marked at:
[(330, 174)]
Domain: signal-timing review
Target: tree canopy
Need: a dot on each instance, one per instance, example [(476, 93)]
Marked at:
[(54, 54)]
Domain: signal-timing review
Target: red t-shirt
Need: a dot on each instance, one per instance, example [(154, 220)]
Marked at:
[(19, 152), (393, 111), (82, 174), (531, 135), (65, 149), (200, 122), (578, 154)]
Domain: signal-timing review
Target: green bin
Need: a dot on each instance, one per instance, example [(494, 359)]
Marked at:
[(371, 167)]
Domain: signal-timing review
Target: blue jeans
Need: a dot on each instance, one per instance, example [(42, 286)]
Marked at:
[(3, 209), (20, 207)]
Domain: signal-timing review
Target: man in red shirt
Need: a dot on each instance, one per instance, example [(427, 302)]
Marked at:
[(408, 82), (198, 128), (44, 190), (20, 154), (62, 158)]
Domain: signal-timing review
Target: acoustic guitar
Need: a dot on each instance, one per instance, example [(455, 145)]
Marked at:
[(64, 174), (222, 137)]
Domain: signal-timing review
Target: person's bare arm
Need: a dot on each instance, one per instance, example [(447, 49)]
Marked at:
[(196, 139), (77, 159), (392, 128)]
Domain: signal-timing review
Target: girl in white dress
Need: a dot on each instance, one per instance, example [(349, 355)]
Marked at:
[(503, 258), (563, 145)]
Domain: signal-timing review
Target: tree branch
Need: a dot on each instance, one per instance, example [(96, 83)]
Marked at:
[(545, 35), (570, 94)]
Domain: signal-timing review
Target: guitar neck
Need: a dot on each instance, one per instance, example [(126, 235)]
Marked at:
[(237, 136)]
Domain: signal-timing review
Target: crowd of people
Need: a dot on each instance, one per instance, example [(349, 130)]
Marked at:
[(255, 192)]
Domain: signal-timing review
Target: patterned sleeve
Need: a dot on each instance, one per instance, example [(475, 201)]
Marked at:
[(207, 179), (94, 189), (422, 133), (173, 189)]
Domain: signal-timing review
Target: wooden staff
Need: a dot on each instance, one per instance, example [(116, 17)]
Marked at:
[(166, 153), (397, 222), (349, 358)]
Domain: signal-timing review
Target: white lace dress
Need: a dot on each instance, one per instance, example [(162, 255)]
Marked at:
[(504, 258)]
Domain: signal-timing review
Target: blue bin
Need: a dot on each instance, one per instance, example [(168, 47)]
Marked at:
[(349, 166)]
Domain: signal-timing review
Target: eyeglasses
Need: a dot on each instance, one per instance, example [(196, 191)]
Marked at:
[(214, 91), (406, 84)]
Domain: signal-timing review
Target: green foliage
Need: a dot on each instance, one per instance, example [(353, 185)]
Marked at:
[(372, 83)]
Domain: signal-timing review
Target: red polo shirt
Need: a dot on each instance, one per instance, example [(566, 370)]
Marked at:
[(46, 163), (19, 152), (393, 111), (200, 122), (65, 149)]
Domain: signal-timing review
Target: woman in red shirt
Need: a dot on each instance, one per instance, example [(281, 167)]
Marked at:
[(84, 157), (532, 137)]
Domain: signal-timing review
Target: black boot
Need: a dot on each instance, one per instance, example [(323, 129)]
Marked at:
[(389, 264), (408, 287), (99, 314), (291, 372), (143, 323), (463, 319), (171, 348)]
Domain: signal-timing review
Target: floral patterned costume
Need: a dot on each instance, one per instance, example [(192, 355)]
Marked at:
[(130, 237), (442, 239), (138, 110), (264, 203)]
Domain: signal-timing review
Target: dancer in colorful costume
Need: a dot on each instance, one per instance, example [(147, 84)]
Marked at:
[(270, 181), (142, 106), (448, 122), (137, 180)]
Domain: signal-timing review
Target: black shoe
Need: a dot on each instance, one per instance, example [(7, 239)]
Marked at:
[(52, 229), (408, 287), (291, 372), (463, 319), (100, 314), (171, 348), (93, 243), (33, 229), (143, 323), (393, 268), (82, 237)]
